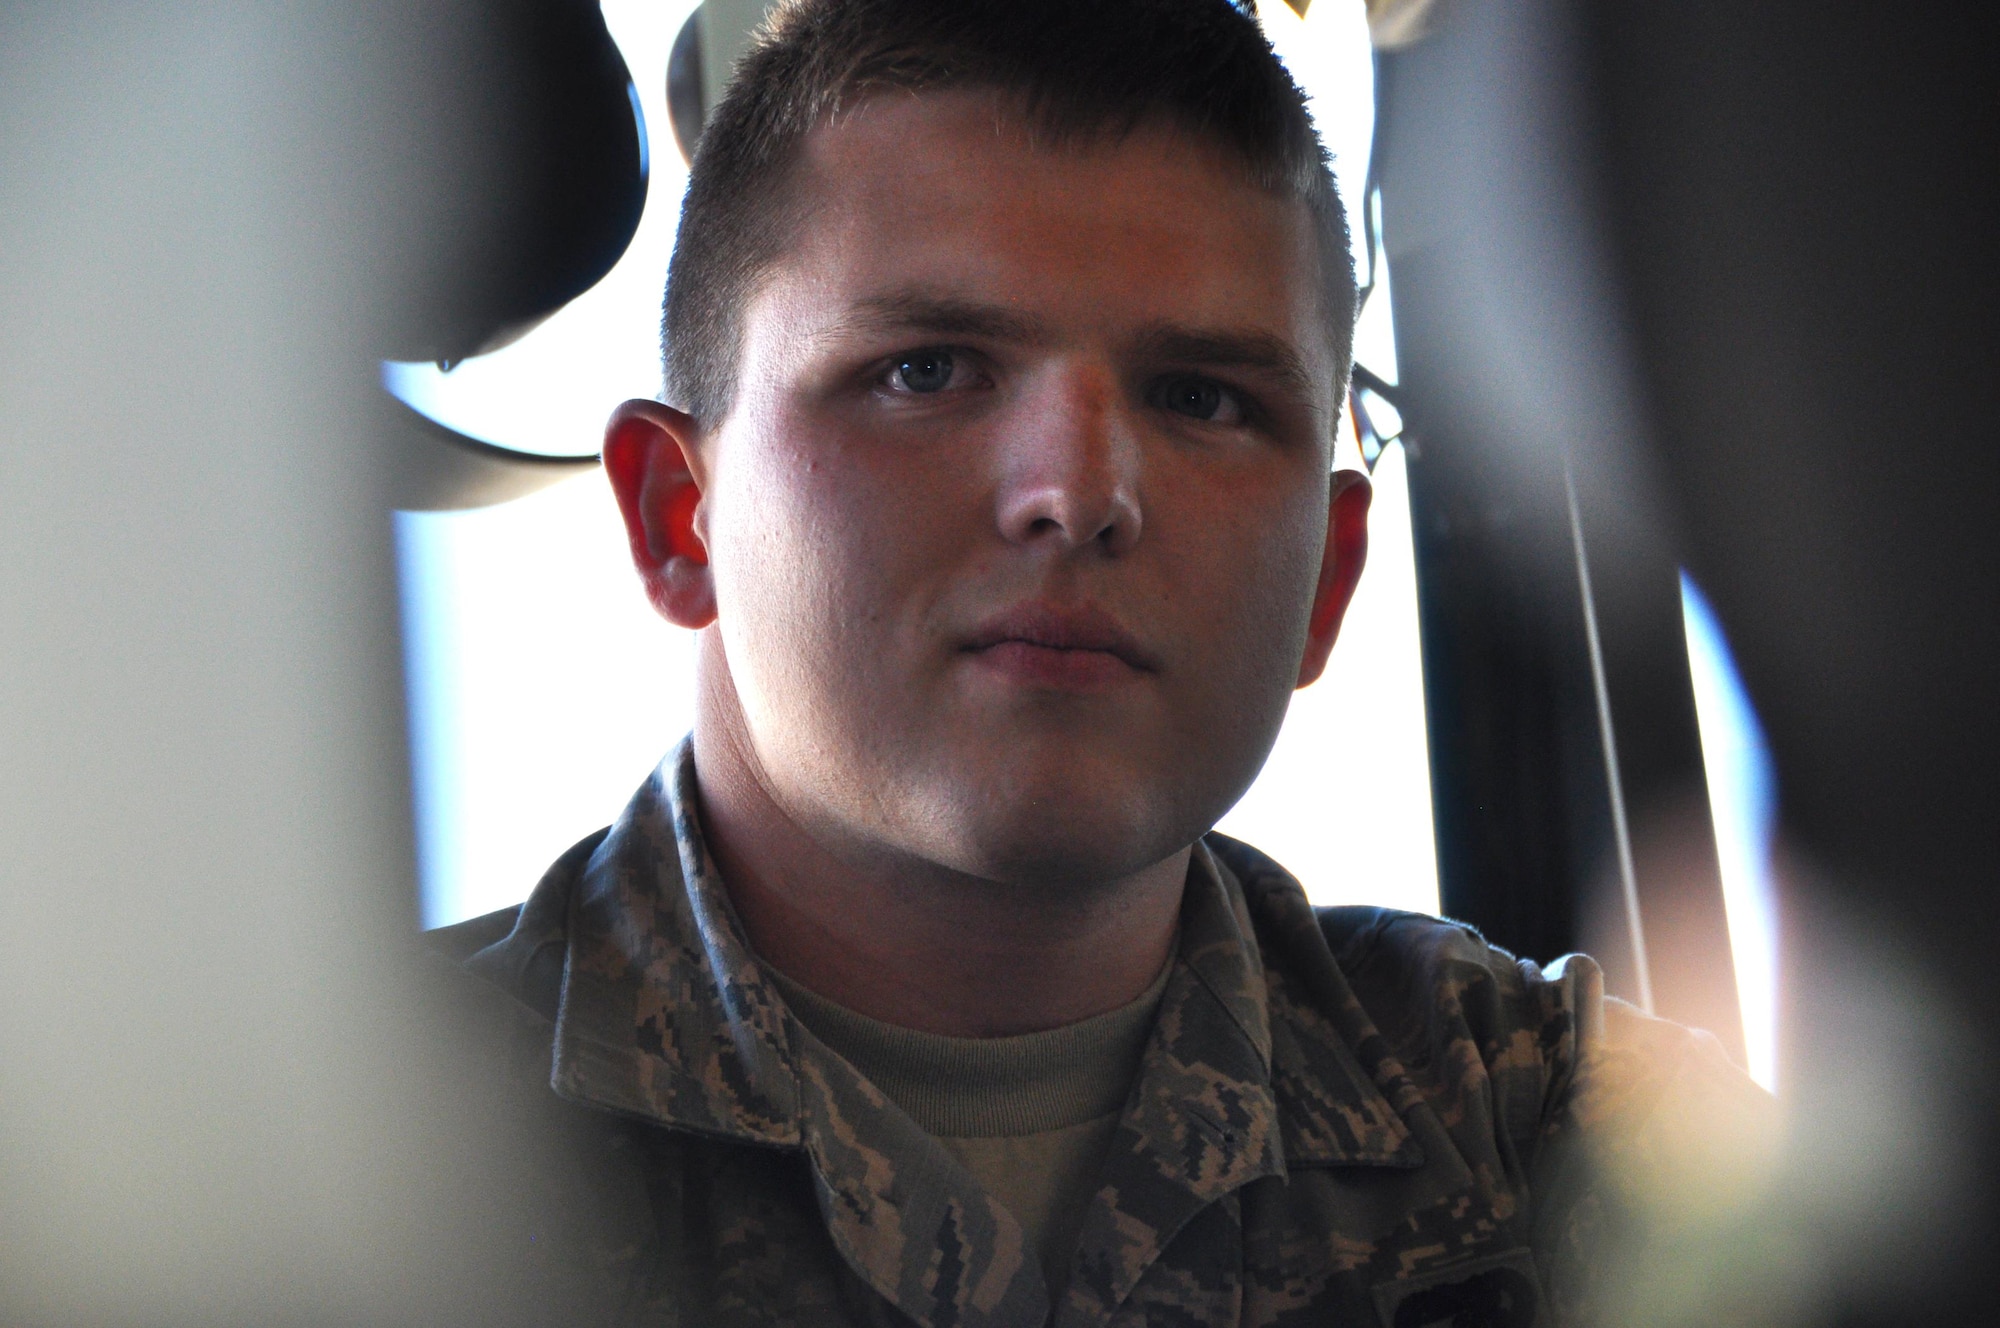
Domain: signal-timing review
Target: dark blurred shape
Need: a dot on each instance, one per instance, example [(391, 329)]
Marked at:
[(1707, 255), (524, 160), (687, 95), (1805, 218), (1803, 212)]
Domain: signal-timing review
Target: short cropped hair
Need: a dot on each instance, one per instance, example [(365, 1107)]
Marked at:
[(1078, 69)]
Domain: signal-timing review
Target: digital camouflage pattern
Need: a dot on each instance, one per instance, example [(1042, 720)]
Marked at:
[(1344, 1116)]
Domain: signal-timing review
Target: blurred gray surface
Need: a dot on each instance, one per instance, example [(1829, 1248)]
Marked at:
[(208, 1112)]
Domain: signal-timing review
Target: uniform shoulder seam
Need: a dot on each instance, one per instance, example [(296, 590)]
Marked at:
[(459, 941), (1356, 930)]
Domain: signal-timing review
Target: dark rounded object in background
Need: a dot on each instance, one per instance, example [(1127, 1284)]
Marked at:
[(687, 91), (519, 165)]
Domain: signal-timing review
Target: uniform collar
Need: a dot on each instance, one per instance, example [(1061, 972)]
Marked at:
[(1344, 1098), (665, 1014)]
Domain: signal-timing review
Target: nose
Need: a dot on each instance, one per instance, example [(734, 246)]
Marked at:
[(1070, 465)]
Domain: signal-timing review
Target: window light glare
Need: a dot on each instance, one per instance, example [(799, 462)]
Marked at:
[(1742, 796)]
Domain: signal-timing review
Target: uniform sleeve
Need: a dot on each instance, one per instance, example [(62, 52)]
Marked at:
[(1654, 1158)]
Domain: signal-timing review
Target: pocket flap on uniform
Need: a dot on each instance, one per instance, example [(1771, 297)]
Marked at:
[(1496, 1291)]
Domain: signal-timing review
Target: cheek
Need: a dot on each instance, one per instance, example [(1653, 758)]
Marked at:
[(1257, 550), (775, 536), (1293, 547), (822, 553), (1260, 569)]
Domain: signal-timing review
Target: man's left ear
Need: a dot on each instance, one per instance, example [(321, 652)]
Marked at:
[(1339, 568)]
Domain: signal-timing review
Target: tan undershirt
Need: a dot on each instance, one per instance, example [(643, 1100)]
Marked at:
[(1031, 1117)]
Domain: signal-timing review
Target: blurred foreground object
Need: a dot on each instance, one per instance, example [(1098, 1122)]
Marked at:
[(1798, 198), (1734, 268), (223, 1100)]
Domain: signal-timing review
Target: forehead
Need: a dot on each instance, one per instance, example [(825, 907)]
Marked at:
[(950, 195)]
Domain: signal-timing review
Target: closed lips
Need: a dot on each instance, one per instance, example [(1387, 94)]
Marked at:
[(1084, 628)]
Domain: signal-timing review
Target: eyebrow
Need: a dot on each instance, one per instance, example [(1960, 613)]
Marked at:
[(1258, 351), (936, 316)]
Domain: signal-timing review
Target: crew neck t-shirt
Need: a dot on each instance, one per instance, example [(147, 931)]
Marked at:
[(1031, 1117)]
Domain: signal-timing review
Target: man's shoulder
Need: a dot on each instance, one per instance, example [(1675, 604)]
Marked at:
[(1396, 960), (1399, 961), (1364, 937), (1595, 1097), (1427, 1001), (520, 949), (459, 941)]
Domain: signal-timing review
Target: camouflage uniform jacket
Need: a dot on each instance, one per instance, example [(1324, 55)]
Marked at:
[(1344, 1116)]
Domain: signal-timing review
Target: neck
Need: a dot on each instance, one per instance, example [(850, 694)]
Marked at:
[(913, 943)]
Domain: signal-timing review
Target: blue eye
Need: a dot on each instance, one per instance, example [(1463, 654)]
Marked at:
[(925, 371), (1200, 399)]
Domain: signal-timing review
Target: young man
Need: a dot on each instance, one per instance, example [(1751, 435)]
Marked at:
[(1005, 346)]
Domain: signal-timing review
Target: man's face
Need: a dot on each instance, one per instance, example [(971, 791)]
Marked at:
[(1017, 518)]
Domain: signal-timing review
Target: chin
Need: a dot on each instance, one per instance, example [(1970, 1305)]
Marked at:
[(1073, 827), (1070, 858)]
